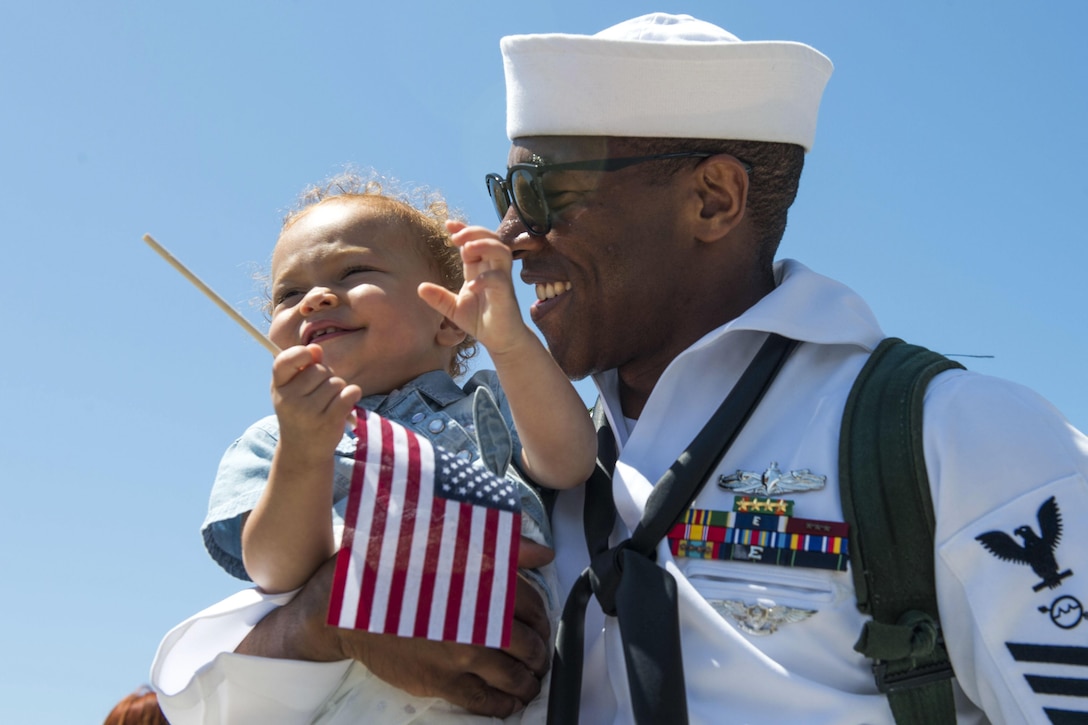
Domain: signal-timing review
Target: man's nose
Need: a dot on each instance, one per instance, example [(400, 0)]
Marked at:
[(514, 234), (318, 298)]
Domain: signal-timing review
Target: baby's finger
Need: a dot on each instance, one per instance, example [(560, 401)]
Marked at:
[(439, 298), (342, 404), (291, 362), (467, 234), (489, 252), (349, 396)]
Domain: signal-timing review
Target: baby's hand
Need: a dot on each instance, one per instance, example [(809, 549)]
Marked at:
[(311, 403), (486, 306)]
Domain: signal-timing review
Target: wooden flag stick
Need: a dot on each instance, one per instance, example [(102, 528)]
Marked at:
[(219, 301)]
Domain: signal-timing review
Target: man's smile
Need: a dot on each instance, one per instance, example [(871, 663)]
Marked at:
[(548, 290)]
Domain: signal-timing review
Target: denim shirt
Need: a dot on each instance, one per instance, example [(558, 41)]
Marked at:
[(431, 405)]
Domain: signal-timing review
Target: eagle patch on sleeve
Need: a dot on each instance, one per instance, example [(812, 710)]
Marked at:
[(1037, 550), (1024, 569)]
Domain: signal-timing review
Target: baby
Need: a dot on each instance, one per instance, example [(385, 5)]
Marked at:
[(377, 302)]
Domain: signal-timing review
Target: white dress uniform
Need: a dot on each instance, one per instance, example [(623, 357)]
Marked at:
[(764, 642)]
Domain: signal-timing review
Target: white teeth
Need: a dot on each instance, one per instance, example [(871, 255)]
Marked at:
[(551, 289), (322, 333)]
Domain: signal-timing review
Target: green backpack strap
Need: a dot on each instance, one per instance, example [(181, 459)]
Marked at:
[(886, 501)]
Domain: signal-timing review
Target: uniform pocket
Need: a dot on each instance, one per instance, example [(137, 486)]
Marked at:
[(759, 599)]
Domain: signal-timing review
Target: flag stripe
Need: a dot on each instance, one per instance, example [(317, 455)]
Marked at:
[(421, 468), (384, 475), (408, 489), (436, 630), (343, 557), (362, 523), (430, 571), (501, 560), (457, 571), (510, 575), (473, 571), (483, 588), (392, 486)]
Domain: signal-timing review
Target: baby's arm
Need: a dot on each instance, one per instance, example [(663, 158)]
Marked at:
[(288, 535), (559, 445)]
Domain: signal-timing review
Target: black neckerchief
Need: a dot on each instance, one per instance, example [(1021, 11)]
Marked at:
[(627, 582)]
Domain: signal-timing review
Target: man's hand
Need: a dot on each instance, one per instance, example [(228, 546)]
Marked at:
[(484, 681)]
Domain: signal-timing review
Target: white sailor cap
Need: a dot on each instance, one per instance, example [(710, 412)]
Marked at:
[(662, 75)]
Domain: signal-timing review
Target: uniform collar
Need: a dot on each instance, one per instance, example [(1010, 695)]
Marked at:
[(809, 307), (804, 306), (436, 385)]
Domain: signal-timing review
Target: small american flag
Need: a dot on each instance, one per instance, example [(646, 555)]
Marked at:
[(430, 542)]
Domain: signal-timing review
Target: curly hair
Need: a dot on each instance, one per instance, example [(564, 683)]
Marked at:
[(422, 210), (138, 708), (773, 180)]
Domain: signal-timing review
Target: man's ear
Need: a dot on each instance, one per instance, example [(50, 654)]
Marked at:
[(722, 186), (449, 334)]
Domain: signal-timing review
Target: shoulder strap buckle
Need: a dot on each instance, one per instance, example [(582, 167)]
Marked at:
[(910, 678)]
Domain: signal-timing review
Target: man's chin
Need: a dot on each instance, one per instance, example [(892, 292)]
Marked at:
[(572, 367)]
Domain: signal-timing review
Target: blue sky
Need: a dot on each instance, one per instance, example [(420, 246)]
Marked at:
[(947, 185)]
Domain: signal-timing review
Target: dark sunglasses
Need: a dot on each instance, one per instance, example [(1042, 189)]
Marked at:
[(524, 189)]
